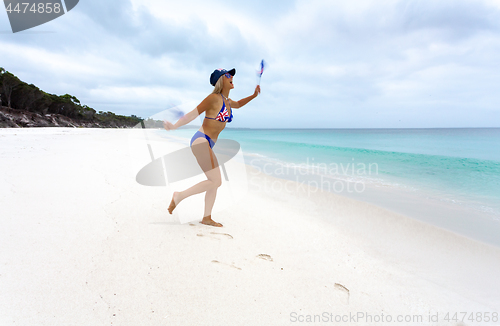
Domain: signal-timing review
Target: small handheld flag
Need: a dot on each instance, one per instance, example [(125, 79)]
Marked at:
[(177, 112), (261, 70)]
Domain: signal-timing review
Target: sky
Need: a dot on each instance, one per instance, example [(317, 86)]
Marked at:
[(330, 64)]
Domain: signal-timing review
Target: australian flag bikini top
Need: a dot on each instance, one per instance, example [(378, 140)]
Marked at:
[(223, 115)]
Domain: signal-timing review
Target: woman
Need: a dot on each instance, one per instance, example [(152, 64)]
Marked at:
[(218, 108)]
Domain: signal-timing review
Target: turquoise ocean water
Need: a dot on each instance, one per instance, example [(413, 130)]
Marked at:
[(458, 166)]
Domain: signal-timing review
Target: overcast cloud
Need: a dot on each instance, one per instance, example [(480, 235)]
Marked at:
[(331, 64)]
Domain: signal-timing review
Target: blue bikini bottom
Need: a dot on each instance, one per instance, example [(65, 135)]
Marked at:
[(199, 134)]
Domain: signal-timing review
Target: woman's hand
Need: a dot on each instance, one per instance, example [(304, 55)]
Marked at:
[(257, 91), (168, 125)]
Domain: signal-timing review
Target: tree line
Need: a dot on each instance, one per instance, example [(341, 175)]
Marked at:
[(18, 95)]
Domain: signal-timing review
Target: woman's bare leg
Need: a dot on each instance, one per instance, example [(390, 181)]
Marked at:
[(209, 204), (208, 162), (200, 187)]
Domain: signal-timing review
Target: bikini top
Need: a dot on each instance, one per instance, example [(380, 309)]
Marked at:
[(223, 115)]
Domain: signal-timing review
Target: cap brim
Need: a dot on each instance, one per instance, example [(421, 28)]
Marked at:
[(232, 72)]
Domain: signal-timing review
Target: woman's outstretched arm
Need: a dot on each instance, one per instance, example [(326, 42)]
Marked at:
[(243, 101), (190, 116)]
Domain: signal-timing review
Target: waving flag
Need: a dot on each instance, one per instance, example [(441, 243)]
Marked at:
[(259, 72), (177, 112), (261, 68)]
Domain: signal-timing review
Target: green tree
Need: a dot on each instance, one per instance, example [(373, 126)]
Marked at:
[(9, 82)]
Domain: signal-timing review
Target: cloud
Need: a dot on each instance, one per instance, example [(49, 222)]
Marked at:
[(349, 65)]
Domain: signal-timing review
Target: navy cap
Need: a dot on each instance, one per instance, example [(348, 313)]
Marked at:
[(214, 77)]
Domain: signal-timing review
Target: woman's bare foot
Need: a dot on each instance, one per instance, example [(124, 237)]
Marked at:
[(208, 221), (175, 199)]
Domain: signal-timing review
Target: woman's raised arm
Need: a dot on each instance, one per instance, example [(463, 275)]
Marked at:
[(243, 101)]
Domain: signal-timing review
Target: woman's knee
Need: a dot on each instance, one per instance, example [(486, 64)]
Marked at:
[(214, 176), (217, 183)]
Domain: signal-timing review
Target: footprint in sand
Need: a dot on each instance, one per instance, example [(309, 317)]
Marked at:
[(342, 293), (265, 257), (216, 235), (230, 265)]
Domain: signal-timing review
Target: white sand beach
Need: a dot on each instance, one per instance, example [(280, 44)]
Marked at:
[(82, 243)]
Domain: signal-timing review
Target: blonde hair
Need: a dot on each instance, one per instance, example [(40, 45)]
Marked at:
[(218, 85)]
